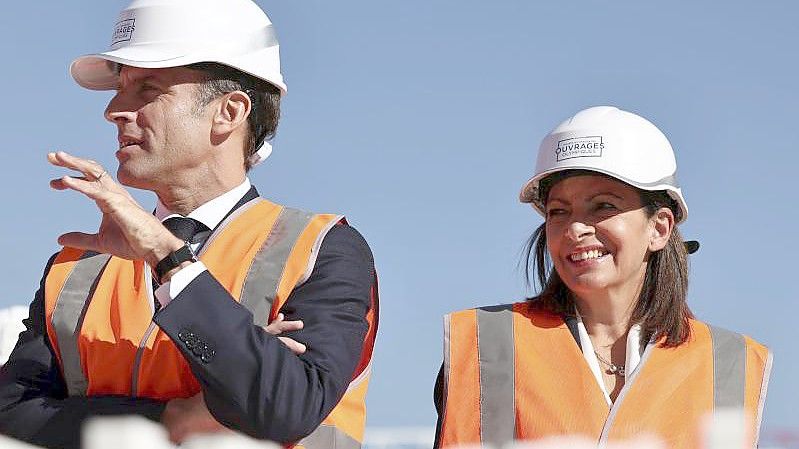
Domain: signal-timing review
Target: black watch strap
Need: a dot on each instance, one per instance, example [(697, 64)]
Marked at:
[(174, 259)]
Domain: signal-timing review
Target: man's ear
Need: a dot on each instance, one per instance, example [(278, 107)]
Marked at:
[(662, 225), (231, 113)]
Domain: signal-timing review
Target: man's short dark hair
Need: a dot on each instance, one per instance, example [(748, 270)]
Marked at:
[(264, 96)]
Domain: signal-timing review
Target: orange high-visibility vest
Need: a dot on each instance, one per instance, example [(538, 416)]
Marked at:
[(515, 372), (98, 308)]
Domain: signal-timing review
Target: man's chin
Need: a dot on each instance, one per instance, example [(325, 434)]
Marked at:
[(131, 179)]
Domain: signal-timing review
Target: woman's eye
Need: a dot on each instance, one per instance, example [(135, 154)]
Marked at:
[(555, 212), (606, 206)]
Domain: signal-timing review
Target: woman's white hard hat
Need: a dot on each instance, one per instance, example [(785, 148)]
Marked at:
[(173, 33), (613, 142)]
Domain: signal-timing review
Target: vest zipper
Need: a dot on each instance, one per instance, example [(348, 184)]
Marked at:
[(603, 437), (134, 381), (134, 384)]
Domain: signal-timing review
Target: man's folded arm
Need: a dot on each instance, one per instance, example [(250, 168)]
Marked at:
[(34, 406), (251, 381)]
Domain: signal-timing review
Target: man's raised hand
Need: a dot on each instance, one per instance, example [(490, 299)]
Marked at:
[(126, 229)]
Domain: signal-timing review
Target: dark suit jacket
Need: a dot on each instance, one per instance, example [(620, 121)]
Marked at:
[(253, 383)]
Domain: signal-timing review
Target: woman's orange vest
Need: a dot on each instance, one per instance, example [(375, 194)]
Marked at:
[(515, 372), (98, 309)]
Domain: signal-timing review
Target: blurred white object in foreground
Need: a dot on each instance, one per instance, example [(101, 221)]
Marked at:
[(395, 437), (726, 429), (226, 441), (10, 327), (134, 432), (128, 432), (10, 443), (722, 431), (576, 442)]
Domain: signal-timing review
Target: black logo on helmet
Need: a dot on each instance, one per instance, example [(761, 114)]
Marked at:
[(588, 146), (123, 31)]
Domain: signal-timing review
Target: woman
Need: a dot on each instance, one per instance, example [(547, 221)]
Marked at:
[(609, 349)]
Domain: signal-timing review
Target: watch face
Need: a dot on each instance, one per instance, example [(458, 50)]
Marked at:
[(194, 256)]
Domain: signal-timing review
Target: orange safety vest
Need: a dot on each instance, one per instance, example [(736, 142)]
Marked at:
[(98, 309), (515, 372)]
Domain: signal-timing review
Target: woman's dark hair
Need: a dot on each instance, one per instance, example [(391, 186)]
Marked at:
[(264, 96), (661, 307)]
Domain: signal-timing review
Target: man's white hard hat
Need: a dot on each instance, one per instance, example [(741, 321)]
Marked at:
[(613, 142), (173, 33)]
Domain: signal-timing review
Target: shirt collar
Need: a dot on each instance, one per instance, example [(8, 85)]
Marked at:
[(212, 212), (633, 346)]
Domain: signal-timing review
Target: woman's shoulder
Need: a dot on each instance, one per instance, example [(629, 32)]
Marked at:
[(528, 307), (722, 337)]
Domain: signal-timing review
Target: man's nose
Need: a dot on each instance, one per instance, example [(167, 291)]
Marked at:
[(117, 112)]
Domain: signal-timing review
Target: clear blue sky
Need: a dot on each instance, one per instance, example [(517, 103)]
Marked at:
[(420, 120)]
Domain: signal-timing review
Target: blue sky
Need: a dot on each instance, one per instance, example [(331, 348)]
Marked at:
[(420, 120)]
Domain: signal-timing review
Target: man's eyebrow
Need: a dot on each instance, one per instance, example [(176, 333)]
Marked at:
[(148, 78), (140, 80), (556, 199)]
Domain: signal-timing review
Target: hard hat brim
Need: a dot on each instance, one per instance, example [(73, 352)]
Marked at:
[(528, 193), (95, 71)]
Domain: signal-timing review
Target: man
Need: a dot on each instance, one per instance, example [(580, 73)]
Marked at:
[(162, 314)]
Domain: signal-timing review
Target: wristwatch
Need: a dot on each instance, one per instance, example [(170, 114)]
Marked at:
[(174, 259)]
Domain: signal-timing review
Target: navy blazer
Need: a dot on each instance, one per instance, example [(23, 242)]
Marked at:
[(253, 383)]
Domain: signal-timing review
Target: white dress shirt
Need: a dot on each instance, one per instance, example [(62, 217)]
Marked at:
[(210, 214)]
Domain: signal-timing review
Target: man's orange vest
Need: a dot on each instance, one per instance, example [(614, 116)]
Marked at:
[(515, 372), (98, 309)]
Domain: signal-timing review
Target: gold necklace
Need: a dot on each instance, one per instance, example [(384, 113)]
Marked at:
[(618, 370)]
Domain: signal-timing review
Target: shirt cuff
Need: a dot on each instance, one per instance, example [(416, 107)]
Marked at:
[(171, 289)]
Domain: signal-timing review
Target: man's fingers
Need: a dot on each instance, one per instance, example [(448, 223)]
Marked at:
[(93, 173), (279, 326), (106, 196), (66, 160), (288, 326), (58, 184), (79, 183), (91, 169), (80, 240), (296, 347), (88, 188), (93, 183)]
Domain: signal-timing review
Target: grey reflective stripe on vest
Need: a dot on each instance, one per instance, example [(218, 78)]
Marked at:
[(729, 368), (495, 349), (329, 437), (258, 294), (70, 308), (262, 281)]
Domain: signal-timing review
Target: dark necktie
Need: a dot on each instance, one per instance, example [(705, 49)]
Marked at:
[(184, 228)]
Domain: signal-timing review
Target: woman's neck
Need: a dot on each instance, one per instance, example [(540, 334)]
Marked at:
[(606, 316)]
